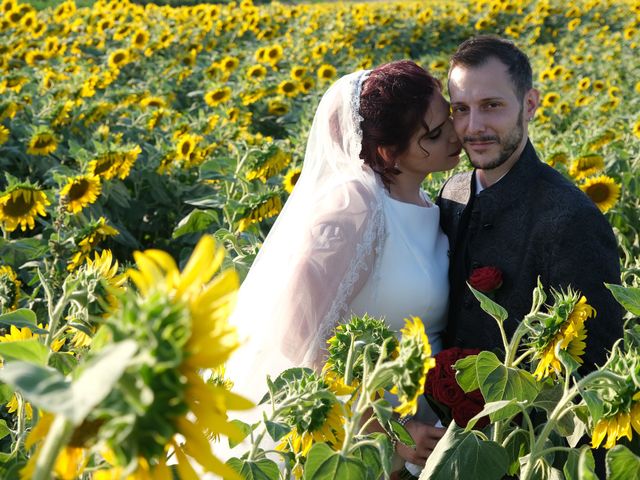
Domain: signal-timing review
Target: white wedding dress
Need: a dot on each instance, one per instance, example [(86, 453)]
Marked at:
[(410, 276)]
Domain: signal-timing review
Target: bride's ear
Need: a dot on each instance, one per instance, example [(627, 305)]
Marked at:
[(387, 155)]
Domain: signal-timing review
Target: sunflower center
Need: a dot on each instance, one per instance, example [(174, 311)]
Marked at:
[(294, 178), (118, 58), (78, 189), (219, 95), (598, 192), (17, 206), (103, 164)]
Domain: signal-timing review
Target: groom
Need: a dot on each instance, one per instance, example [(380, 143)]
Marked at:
[(515, 213)]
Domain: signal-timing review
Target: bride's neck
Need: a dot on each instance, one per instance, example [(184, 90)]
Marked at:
[(407, 190)]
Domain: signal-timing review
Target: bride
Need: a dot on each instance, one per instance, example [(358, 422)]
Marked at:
[(357, 235)]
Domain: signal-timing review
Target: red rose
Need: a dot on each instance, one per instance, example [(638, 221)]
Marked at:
[(466, 410), (448, 392), (486, 279)]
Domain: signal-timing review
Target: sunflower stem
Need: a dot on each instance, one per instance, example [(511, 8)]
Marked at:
[(58, 436), (21, 423), (348, 370)]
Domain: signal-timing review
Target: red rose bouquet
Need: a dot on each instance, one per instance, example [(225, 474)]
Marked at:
[(444, 394)]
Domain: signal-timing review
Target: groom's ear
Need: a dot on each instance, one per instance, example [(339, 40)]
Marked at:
[(387, 155), (531, 103)]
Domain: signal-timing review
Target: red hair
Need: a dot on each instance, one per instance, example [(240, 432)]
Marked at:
[(394, 100)]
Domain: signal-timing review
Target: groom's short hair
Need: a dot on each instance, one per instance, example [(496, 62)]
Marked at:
[(476, 51)]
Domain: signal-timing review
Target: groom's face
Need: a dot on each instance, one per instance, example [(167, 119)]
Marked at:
[(488, 115)]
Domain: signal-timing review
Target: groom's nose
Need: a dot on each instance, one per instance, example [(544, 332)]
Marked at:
[(475, 122)]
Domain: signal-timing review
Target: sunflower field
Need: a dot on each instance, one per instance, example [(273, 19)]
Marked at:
[(130, 126)]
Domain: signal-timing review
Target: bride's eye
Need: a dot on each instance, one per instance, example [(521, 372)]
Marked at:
[(434, 134)]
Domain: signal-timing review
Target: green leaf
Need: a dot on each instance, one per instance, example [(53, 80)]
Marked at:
[(516, 447), (466, 373), (549, 396), (64, 362), (277, 430), (385, 449), (263, 469), (32, 351), (580, 465), (461, 454), (622, 464), (498, 382), (6, 392), (370, 457), (22, 317), (383, 411), (325, 464), (99, 376), (46, 388), (245, 428), (403, 435), (594, 404), (196, 221), (489, 306), (628, 297), (491, 409), (4, 430)]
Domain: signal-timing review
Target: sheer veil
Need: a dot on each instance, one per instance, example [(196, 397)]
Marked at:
[(318, 253)]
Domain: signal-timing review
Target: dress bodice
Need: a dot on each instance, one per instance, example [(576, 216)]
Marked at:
[(410, 276)]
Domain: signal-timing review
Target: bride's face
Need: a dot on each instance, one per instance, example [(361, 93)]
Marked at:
[(433, 150)]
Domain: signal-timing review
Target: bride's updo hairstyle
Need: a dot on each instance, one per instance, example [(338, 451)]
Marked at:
[(394, 100)]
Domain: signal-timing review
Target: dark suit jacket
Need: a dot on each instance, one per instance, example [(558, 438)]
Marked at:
[(533, 222)]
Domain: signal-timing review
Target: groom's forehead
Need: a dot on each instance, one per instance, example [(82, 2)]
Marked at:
[(490, 79)]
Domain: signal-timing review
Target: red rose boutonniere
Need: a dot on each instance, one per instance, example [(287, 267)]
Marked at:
[(444, 394), (486, 279)]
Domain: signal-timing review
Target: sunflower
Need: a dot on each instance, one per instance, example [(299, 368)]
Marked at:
[(636, 129), (153, 102), (414, 355), (586, 165), (617, 426), (288, 88), (298, 72), (269, 206), (256, 73), (181, 318), (13, 404), (268, 166), (43, 142), (550, 99), (4, 134), (186, 145), (291, 178), (584, 83), (557, 158), (276, 106), (116, 163), (603, 190), (314, 417), (80, 191), (273, 54), (331, 432), (92, 235), (139, 39), (118, 58), (216, 97), (20, 205), (326, 72), (9, 288), (562, 329), (229, 64)]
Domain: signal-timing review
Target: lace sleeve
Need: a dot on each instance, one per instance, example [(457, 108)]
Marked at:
[(338, 255)]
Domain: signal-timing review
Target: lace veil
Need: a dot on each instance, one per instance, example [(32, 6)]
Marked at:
[(318, 253)]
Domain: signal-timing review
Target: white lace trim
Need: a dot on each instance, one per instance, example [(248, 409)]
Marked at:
[(372, 244)]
